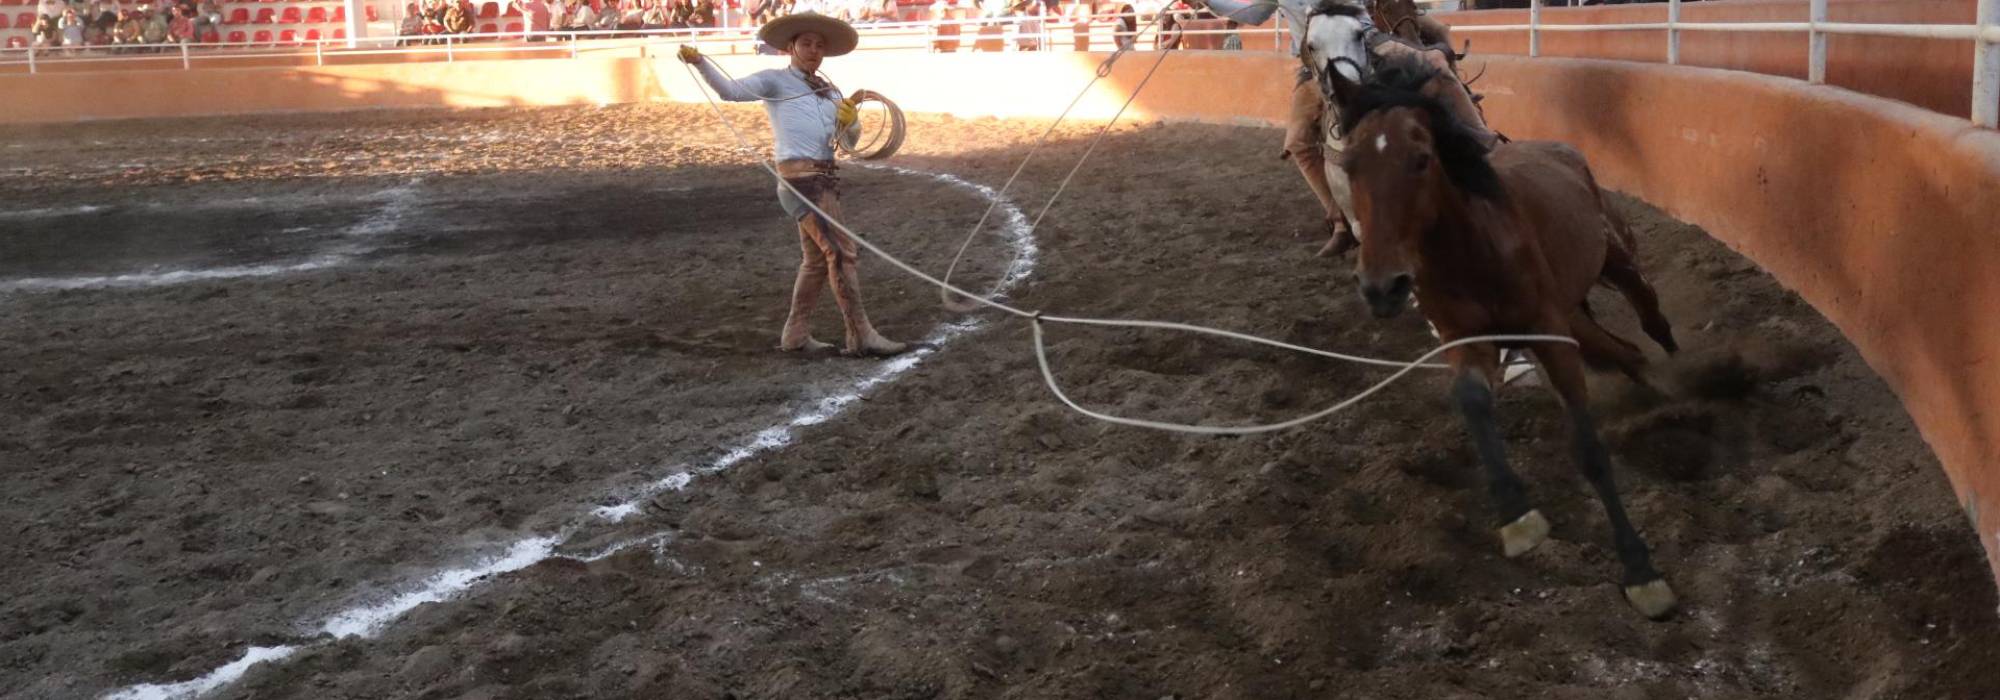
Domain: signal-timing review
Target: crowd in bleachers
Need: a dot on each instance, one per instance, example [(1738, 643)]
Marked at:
[(431, 20), (140, 26)]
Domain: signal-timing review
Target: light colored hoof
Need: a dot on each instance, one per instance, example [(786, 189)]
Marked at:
[(1523, 373), (1524, 533), (1655, 600)]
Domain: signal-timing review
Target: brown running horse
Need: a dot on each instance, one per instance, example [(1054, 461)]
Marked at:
[(1506, 242)]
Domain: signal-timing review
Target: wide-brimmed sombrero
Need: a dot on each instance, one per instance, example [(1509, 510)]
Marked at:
[(840, 37)]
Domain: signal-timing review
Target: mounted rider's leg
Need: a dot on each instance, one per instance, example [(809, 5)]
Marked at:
[(1302, 146)]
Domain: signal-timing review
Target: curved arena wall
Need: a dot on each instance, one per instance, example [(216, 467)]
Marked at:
[(1878, 213)]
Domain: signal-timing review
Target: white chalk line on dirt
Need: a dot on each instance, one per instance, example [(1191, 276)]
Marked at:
[(370, 620), (397, 204), (1017, 232)]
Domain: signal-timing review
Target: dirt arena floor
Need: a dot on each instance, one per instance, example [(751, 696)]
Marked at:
[(260, 373)]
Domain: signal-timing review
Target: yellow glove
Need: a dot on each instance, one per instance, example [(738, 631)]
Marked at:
[(845, 114), (689, 54)]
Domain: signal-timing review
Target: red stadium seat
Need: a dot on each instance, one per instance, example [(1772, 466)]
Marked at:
[(316, 15), (266, 15), (239, 15), (489, 28), (513, 28), (263, 36), (312, 35), (288, 37), (26, 19), (291, 16), (370, 13), (17, 42), (339, 13), (511, 11), (489, 10), (210, 37), (339, 32), (3, 23), (238, 37)]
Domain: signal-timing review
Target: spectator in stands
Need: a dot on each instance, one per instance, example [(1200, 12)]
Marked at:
[(107, 22), (434, 19), (181, 28), (558, 14), (458, 19), (537, 13), (631, 15), (412, 25), (71, 31), (1234, 41), (207, 20), (1028, 36), (608, 19), (581, 16), (155, 29), (46, 31), (701, 15), (656, 15), (1127, 27), (131, 31)]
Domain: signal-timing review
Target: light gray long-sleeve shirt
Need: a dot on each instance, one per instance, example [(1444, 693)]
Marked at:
[(1257, 12), (801, 122)]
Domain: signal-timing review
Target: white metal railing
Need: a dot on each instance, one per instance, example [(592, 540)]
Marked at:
[(1045, 30), (1984, 35)]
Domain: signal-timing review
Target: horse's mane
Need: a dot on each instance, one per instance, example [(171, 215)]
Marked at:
[(1398, 82)]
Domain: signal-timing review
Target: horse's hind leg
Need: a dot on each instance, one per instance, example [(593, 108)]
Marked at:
[(1645, 589), (1477, 365), (1622, 272), (1602, 349)]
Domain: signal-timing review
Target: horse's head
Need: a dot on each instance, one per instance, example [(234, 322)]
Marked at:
[(1407, 161), (1335, 44)]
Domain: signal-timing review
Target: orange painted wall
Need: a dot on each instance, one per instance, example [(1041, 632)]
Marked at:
[(1931, 73), (1878, 213)]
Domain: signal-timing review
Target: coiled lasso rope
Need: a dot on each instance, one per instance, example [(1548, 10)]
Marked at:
[(886, 140), (1037, 318)]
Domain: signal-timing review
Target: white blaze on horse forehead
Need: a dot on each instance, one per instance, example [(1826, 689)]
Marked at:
[(1381, 142)]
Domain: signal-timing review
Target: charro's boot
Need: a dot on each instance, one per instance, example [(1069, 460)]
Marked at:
[(805, 295), (862, 338)]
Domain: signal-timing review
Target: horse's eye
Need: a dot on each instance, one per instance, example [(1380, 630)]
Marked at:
[(1420, 162)]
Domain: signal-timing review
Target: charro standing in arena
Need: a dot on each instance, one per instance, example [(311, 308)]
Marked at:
[(807, 113)]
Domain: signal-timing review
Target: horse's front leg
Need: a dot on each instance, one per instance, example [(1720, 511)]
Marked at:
[(1477, 366), (1645, 589)]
